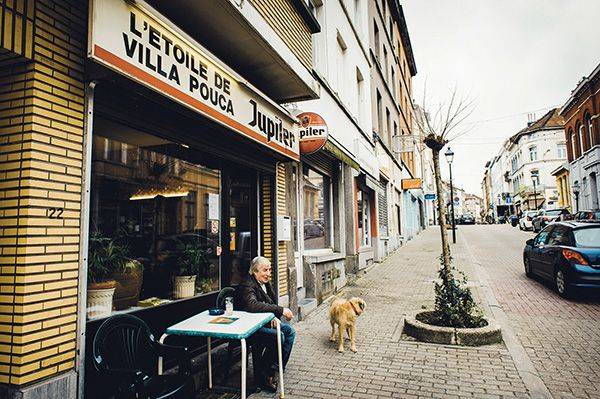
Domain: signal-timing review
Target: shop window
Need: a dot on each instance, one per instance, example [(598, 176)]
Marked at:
[(316, 207), (364, 219), (162, 210)]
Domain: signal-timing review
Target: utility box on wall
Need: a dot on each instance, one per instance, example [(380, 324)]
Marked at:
[(284, 228)]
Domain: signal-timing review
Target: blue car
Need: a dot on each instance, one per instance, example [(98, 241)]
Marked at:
[(567, 253)]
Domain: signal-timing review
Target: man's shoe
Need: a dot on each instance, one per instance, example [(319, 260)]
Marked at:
[(269, 384)]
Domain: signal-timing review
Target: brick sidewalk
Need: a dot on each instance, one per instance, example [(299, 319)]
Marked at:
[(387, 364)]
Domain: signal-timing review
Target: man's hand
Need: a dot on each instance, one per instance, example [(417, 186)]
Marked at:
[(288, 314)]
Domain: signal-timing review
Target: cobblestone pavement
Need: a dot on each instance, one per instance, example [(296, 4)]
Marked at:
[(561, 337), (387, 365)]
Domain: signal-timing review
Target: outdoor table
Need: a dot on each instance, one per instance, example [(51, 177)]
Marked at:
[(246, 325)]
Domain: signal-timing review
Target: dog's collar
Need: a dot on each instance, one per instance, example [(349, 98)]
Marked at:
[(353, 308)]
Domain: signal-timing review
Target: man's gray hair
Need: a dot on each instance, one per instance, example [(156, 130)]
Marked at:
[(259, 260)]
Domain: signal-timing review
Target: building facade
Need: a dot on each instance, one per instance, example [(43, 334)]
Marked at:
[(582, 133), (146, 127), (534, 153)]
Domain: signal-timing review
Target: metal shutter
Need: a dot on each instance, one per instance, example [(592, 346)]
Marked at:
[(383, 209)]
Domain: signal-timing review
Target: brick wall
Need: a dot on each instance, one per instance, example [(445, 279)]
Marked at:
[(41, 130), (587, 102)]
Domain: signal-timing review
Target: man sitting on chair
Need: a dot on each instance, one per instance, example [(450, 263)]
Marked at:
[(256, 296)]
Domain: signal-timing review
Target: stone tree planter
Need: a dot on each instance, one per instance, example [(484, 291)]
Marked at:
[(184, 287), (490, 334)]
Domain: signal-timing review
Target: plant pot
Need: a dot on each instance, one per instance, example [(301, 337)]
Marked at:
[(100, 298), (184, 287), (127, 292)]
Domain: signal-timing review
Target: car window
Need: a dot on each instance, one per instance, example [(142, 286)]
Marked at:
[(561, 235), (542, 238), (589, 237), (554, 212), (596, 215)]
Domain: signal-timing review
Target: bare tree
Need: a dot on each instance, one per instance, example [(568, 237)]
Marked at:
[(440, 125)]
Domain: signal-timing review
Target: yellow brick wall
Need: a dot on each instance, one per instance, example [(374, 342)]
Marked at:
[(41, 131), (289, 25)]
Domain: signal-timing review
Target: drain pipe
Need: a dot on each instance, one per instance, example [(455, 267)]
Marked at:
[(83, 236)]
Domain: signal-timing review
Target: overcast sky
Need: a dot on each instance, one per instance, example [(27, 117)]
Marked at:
[(513, 57)]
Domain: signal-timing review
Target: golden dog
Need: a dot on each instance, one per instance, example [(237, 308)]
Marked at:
[(344, 313)]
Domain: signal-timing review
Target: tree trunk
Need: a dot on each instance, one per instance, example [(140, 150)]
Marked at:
[(441, 211)]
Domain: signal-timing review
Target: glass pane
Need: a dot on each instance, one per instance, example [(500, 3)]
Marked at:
[(316, 210), (589, 237), (162, 211)]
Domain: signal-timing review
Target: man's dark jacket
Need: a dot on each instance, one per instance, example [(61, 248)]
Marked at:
[(253, 299)]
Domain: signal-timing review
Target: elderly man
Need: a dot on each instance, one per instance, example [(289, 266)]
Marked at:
[(256, 295)]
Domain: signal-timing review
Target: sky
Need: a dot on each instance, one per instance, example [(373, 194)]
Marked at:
[(513, 58)]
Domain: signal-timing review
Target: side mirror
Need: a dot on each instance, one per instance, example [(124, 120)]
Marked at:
[(529, 242)]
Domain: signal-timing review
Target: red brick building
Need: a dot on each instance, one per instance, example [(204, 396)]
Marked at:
[(582, 132)]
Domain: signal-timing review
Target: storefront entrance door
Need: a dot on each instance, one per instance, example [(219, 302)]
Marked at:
[(240, 224)]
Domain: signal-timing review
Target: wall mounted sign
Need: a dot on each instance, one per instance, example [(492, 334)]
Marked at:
[(430, 197), (409, 184), (313, 132), (133, 39)]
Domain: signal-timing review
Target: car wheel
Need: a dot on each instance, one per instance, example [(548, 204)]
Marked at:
[(561, 284), (527, 265), (520, 227)]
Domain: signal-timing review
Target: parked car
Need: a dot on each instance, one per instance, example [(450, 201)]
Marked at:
[(526, 219), (466, 219), (593, 214), (568, 253), (545, 217)]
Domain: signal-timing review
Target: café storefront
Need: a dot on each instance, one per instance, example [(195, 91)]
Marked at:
[(182, 166)]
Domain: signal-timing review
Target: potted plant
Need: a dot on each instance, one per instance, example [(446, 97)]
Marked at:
[(129, 280), (191, 259), (104, 257)]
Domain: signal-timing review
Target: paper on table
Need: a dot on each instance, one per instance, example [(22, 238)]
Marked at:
[(223, 320)]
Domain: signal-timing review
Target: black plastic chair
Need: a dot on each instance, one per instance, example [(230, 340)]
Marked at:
[(126, 355)]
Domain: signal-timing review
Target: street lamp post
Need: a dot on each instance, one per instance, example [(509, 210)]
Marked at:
[(576, 193), (449, 157)]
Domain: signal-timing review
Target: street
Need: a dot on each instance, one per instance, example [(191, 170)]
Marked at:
[(551, 348)]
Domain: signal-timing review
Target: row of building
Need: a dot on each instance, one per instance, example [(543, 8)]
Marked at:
[(236, 127), (551, 163)]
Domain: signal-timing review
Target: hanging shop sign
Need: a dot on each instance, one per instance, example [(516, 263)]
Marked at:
[(136, 41), (408, 184), (313, 132)]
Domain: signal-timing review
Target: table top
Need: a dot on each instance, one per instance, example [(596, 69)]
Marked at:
[(199, 325)]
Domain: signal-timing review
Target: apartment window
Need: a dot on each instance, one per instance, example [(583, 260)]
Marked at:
[(561, 150), (385, 63), (360, 81), (391, 26), (388, 125), (393, 83), (535, 176), (341, 67), (590, 128), (533, 153), (357, 14), (317, 207), (580, 137), (376, 39), (379, 121), (571, 135)]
